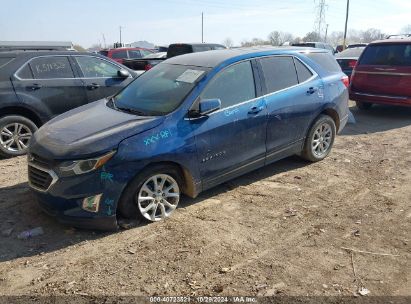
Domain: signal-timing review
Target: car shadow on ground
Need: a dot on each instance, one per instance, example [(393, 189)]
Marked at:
[(20, 212), (271, 170), (378, 118)]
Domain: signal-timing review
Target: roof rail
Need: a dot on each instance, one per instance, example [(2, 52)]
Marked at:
[(399, 36), (36, 46)]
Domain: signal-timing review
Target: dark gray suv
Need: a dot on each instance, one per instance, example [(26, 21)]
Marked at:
[(36, 86)]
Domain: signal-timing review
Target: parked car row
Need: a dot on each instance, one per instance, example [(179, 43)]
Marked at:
[(189, 123), (176, 49)]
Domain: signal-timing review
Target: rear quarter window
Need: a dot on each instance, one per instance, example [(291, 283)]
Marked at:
[(326, 61), (303, 72), (387, 54)]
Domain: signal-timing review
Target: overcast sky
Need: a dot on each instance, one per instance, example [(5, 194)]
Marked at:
[(166, 21)]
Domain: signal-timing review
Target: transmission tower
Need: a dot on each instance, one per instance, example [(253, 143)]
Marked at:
[(320, 23)]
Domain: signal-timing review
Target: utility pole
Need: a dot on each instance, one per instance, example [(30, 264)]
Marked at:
[(104, 40), (120, 34), (326, 33), (320, 19), (202, 27), (346, 23)]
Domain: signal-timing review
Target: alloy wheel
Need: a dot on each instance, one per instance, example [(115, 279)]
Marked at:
[(321, 140), (15, 137), (158, 197)]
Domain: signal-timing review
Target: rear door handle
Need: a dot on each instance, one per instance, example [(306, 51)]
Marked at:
[(34, 87), (255, 110), (311, 90), (93, 86)]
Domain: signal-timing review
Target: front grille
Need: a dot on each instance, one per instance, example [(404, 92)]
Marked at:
[(39, 179)]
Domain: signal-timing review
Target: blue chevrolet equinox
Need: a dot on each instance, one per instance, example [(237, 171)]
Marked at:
[(190, 123)]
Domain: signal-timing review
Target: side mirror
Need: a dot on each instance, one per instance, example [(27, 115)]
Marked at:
[(208, 106), (123, 73)]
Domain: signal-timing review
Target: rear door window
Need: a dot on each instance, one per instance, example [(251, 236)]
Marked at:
[(51, 67), (303, 72), (387, 54), (135, 54), (326, 61), (119, 54), (93, 67), (279, 73), (233, 85)]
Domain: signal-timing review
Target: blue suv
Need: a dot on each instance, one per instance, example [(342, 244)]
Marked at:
[(190, 123)]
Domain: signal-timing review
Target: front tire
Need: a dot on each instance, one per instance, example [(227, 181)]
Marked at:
[(153, 195), (363, 105), (320, 139), (15, 135)]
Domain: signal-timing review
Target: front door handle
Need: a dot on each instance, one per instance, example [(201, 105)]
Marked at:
[(34, 87), (93, 86), (255, 110), (311, 90)]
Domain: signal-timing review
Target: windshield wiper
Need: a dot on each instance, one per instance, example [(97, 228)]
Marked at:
[(132, 111)]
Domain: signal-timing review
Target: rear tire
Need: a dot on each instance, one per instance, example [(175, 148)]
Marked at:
[(320, 139), (363, 105), (15, 135), (142, 200)]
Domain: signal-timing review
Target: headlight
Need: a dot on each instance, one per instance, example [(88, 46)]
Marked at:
[(86, 165)]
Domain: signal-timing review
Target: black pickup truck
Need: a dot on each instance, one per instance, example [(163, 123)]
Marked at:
[(176, 49)]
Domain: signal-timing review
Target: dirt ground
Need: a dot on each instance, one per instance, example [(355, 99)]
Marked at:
[(280, 230)]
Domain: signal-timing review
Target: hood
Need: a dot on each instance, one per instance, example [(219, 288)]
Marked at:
[(88, 130)]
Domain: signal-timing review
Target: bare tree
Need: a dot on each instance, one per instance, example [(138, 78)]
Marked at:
[(274, 38), (336, 38), (279, 38), (228, 42), (371, 35), (312, 36)]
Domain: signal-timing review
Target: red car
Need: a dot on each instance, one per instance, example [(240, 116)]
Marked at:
[(383, 74), (125, 53)]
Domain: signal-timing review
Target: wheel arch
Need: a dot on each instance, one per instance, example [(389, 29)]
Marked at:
[(22, 111), (333, 114), (188, 186)]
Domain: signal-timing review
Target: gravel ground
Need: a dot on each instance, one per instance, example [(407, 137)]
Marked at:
[(280, 230)]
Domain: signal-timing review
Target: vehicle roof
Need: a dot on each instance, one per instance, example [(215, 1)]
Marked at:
[(21, 53), (195, 44), (353, 52), (392, 41), (125, 49), (212, 59)]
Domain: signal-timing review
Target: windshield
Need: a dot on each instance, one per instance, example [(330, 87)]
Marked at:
[(160, 90)]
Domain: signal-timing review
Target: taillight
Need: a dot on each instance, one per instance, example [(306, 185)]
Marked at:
[(147, 67), (346, 81), (352, 63)]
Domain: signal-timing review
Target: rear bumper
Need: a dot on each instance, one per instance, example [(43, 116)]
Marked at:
[(343, 122), (381, 99)]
